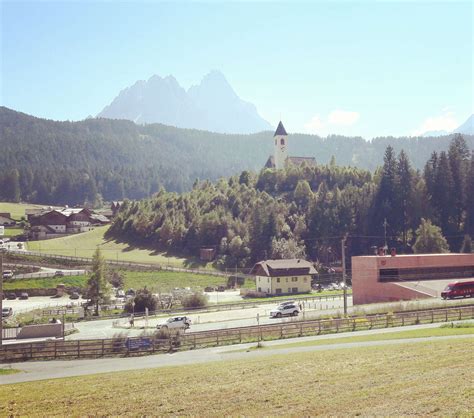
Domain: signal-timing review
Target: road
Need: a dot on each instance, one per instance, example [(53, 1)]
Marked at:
[(203, 321), (36, 302), (33, 371)]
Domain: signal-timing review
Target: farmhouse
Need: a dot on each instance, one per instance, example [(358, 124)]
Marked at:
[(280, 158), (276, 277), (52, 223), (404, 277), (6, 219)]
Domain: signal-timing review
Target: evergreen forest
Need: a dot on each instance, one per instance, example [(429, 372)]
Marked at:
[(306, 211)]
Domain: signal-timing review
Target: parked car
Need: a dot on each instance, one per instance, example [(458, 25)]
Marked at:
[(288, 302), (11, 296), (120, 293), (130, 292), (7, 274), (23, 296), (290, 309), (458, 289), (221, 288), (59, 273), (74, 295), (6, 312), (209, 289), (177, 322)]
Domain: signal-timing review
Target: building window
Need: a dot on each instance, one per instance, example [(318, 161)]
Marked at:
[(282, 141), (259, 289), (287, 279), (294, 279), (277, 291), (289, 290), (305, 279), (294, 290), (275, 142), (278, 280)]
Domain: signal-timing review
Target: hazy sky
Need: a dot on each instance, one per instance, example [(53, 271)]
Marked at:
[(358, 68)]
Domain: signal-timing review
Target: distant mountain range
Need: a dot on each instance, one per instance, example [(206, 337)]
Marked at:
[(212, 105), (467, 128)]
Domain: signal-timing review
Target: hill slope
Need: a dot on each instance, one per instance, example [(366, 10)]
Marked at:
[(69, 162)]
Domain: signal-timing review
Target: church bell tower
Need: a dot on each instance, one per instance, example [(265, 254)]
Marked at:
[(281, 146)]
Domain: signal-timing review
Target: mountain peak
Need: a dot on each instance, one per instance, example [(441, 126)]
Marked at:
[(211, 105), (467, 127)]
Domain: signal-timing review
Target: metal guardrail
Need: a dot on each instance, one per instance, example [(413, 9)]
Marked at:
[(59, 349)]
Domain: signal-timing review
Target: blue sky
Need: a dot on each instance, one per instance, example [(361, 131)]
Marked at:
[(357, 68)]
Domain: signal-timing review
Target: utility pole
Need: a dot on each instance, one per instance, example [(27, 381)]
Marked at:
[(343, 252), (385, 234), (1, 296)]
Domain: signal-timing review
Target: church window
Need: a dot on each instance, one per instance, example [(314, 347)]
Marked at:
[(275, 142), (282, 142)]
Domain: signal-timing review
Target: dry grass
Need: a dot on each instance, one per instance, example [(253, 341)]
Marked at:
[(413, 379)]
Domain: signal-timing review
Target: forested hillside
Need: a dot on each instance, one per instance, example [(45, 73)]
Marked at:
[(306, 211), (75, 162)]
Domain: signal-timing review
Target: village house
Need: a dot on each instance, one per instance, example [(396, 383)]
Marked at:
[(276, 277), (280, 158), (52, 223), (6, 219)]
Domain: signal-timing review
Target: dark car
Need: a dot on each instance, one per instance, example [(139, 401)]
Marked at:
[(23, 296), (11, 296), (130, 292), (74, 295), (59, 273), (221, 288)]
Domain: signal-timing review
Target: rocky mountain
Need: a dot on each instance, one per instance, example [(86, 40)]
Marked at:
[(467, 128), (211, 105)]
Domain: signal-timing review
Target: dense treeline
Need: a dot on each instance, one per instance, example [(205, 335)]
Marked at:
[(75, 162), (305, 211)]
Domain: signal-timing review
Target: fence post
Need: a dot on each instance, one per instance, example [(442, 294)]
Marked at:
[(319, 327), (78, 348), (55, 349), (353, 324), (103, 347), (446, 315), (217, 338), (432, 316), (195, 339), (240, 336), (460, 314)]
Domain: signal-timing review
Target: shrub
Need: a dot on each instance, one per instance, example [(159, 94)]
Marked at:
[(196, 300), (143, 299)]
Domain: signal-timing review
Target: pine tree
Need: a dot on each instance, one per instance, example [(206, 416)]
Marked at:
[(98, 286), (429, 239)]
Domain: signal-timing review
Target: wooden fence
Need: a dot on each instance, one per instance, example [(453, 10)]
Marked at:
[(59, 349)]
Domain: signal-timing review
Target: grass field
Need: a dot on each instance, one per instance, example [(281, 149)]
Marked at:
[(8, 371), (414, 379), (156, 281), (416, 333), (16, 210), (84, 245)]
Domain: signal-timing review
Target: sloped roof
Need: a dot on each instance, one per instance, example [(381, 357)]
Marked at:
[(300, 160), (285, 267), (280, 130)]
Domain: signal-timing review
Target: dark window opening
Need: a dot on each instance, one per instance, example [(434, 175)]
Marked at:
[(425, 273)]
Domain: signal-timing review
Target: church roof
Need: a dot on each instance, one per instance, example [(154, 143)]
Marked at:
[(310, 161), (280, 130)]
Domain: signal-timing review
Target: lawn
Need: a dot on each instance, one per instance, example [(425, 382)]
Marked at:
[(8, 371), (157, 281), (11, 232), (414, 379), (16, 210), (84, 245), (416, 333)]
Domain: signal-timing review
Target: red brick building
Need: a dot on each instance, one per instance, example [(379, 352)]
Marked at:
[(405, 277)]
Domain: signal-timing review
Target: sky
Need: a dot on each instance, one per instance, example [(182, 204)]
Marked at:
[(368, 68)]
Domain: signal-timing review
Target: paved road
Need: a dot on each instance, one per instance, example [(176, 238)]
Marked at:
[(33, 371), (36, 302), (202, 321)]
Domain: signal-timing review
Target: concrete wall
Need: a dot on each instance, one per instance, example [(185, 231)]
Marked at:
[(365, 272), (41, 331)]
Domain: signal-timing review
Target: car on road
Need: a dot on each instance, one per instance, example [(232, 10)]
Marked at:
[(6, 312), (11, 296), (7, 274), (130, 292), (74, 295), (290, 309), (176, 323), (23, 296), (120, 293), (59, 273)]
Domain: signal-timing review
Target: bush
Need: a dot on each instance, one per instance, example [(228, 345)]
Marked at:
[(143, 299), (196, 300)]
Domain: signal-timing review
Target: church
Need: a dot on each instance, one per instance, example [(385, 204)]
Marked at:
[(280, 158)]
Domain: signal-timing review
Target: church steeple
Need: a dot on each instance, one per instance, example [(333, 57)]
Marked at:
[(280, 130), (281, 147)]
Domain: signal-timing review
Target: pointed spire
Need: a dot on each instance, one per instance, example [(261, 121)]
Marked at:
[(280, 130)]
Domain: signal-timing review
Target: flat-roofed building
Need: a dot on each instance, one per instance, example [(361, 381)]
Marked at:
[(406, 277)]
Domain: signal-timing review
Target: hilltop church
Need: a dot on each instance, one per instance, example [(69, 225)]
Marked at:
[(280, 158)]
